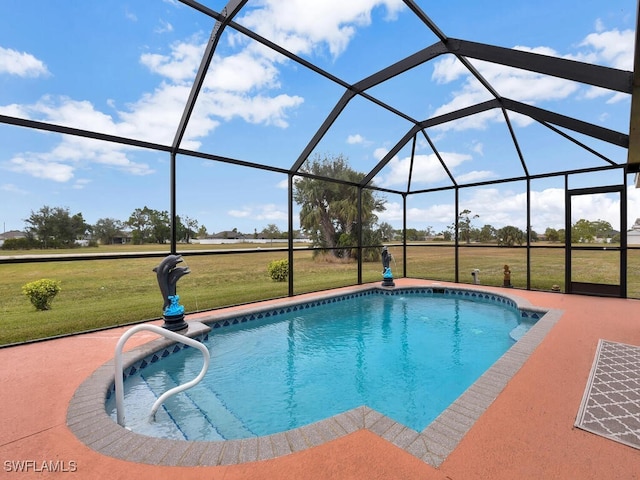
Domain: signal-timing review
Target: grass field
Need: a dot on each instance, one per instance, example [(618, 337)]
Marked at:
[(103, 293)]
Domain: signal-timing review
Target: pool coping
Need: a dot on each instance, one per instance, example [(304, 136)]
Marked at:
[(88, 420)]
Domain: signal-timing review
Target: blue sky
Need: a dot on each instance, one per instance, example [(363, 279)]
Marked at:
[(125, 68)]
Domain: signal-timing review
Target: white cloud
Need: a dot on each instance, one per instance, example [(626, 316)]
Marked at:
[(475, 176), (164, 27), (437, 216), (521, 85), (60, 162), (237, 85), (40, 168), (154, 117), (81, 183), (13, 189), (355, 139), (246, 71), (132, 17), (257, 109), (65, 111), (617, 97), (180, 65), (448, 69), (478, 148), (270, 213), (21, 64), (302, 26), (596, 207), (13, 110), (244, 213), (426, 169), (613, 48), (379, 153)]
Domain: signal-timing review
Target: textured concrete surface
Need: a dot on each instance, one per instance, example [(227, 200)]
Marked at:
[(527, 431)]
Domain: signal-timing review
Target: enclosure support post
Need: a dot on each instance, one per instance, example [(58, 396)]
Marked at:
[(528, 234), (174, 229), (404, 235), (623, 236), (290, 236), (455, 236), (567, 236), (359, 239)]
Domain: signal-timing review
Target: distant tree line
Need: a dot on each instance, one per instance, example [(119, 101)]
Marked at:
[(583, 231), (50, 227), (56, 227)]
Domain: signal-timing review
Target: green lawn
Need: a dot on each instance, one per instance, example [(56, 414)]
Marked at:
[(103, 293)]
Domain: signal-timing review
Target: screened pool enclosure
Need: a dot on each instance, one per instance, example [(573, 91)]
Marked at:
[(216, 111)]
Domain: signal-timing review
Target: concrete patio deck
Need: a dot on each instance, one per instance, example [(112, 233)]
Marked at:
[(527, 433)]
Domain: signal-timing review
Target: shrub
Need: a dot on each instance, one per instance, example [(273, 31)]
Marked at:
[(41, 292), (18, 244), (279, 270)]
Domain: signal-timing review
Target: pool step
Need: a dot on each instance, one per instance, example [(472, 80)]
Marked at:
[(182, 411), (139, 397), (200, 413), (225, 421), (517, 333)]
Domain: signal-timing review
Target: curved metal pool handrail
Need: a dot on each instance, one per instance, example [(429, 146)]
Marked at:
[(119, 381)]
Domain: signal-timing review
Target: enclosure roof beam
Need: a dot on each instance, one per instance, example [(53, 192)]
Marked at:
[(580, 144), (402, 66), (230, 10), (339, 107), (381, 164), (589, 129), (596, 75), (440, 159), (461, 113), (516, 144), (539, 114), (78, 132), (426, 20)]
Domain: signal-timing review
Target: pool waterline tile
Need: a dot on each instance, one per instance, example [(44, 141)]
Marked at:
[(87, 416)]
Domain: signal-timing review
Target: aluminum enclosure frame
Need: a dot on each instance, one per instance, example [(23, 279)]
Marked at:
[(604, 77)]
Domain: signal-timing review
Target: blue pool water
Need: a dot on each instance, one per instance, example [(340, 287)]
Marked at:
[(408, 357)]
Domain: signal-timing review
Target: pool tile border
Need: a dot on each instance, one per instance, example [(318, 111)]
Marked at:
[(88, 420), (267, 313)]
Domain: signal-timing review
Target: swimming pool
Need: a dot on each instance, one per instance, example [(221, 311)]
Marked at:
[(406, 353), (89, 421)]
